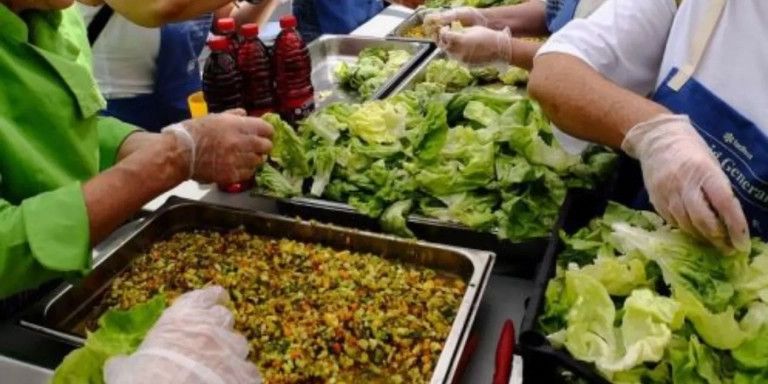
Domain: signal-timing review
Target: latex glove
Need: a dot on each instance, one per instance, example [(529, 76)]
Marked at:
[(467, 16), (685, 182), (224, 148), (192, 343), (477, 45)]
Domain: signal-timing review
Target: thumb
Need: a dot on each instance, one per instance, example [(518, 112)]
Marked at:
[(448, 38)]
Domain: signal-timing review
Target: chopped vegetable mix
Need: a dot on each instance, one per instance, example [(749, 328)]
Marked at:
[(646, 303), (312, 314)]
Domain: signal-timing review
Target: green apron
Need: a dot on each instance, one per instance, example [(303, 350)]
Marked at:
[(51, 141)]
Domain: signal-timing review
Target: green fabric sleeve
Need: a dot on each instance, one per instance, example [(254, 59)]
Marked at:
[(45, 237), (112, 133)]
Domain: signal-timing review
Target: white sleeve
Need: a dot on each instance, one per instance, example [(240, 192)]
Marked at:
[(624, 40)]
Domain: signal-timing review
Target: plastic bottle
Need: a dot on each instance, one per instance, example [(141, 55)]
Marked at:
[(228, 28), (222, 80), (293, 73), (255, 65)]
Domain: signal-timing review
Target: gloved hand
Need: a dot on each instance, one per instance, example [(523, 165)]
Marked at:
[(685, 182), (192, 342), (467, 16), (224, 148), (477, 45)]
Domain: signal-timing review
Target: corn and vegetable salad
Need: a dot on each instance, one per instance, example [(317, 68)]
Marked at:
[(312, 314)]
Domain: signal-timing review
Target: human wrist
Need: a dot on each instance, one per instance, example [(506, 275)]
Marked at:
[(182, 147), (178, 156), (641, 137), (505, 45)]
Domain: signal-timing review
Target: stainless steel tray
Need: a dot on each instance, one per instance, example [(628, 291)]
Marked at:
[(419, 73), (328, 51), (517, 259), (66, 309), (414, 20)]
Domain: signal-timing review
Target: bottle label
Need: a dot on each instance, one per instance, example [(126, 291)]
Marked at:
[(297, 110)]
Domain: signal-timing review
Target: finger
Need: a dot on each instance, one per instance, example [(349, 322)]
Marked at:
[(256, 126), (202, 298), (719, 194), (678, 210), (705, 220), (236, 112), (660, 205), (256, 145)]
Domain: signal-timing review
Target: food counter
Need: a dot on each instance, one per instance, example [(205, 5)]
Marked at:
[(503, 299)]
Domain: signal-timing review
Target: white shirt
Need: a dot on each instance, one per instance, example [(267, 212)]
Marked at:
[(635, 44), (123, 56)]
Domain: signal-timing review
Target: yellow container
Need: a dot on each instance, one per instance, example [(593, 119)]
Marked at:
[(197, 106)]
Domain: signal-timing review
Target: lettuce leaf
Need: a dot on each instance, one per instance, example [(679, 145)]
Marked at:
[(119, 333), (287, 148)]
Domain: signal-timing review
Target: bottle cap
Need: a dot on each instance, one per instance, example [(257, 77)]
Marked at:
[(226, 25), (249, 30), (218, 43), (288, 21)]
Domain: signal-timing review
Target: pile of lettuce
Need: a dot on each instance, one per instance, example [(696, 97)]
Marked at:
[(484, 157), (469, 3), (119, 333), (646, 303), (373, 68)]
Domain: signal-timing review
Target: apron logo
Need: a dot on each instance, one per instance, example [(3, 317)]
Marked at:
[(730, 139)]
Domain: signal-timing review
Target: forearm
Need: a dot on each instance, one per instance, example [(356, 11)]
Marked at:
[(527, 19), (583, 103), (523, 52), (149, 165), (250, 13), (159, 12)]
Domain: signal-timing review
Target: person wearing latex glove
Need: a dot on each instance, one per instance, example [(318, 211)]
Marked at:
[(192, 343), (492, 34), (69, 177), (702, 138)]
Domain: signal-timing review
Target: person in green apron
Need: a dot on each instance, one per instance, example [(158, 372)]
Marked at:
[(69, 177), (701, 138)]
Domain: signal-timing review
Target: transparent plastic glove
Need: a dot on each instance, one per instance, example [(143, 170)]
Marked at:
[(224, 148), (192, 343), (685, 182), (467, 16), (477, 45)]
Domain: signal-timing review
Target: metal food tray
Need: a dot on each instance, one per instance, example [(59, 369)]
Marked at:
[(414, 20), (516, 259), (419, 74), (62, 314), (543, 362), (328, 51)]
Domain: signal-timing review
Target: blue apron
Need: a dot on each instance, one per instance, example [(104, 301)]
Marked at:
[(177, 75), (317, 17), (737, 143), (559, 13)]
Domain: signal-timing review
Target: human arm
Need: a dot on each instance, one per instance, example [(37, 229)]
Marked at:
[(592, 78), (246, 12), (156, 13), (50, 235), (527, 19)]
